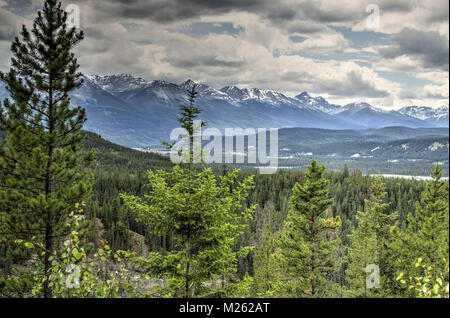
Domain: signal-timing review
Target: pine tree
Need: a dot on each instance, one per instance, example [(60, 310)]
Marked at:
[(345, 173), (368, 243), (187, 118), (308, 240), (41, 163), (427, 233), (205, 217), (265, 271)]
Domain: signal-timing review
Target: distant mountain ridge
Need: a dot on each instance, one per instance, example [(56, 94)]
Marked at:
[(137, 113), (426, 113)]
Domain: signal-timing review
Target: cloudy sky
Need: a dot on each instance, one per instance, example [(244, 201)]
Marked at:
[(385, 52)]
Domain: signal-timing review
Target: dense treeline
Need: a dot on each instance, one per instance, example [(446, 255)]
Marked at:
[(271, 194)]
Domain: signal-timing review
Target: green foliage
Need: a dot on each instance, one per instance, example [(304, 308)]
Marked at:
[(427, 232), (117, 159), (429, 284), (17, 284), (187, 119), (190, 112), (428, 227), (308, 239), (265, 270), (368, 243), (76, 273), (41, 162), (204, 215)]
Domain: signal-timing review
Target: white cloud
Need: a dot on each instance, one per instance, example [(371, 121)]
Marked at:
[(323, 43), (436, 91), (402, 63)]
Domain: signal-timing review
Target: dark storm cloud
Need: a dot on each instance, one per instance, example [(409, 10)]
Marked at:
[(277, 11), (164, 11), (20, 7), (171, 11), (399, 6), (7, 32), (439, 13), (430, 47), (305, 27), (8, 26), (209, 61), (315, 11)]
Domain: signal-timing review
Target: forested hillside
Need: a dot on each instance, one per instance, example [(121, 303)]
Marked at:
[(115, 158)]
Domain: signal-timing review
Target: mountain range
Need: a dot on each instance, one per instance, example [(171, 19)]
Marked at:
[(137, 113)]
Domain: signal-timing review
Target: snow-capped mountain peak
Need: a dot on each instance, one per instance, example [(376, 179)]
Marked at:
[(355, 107), (255, 94), (442, 112), (303, 96), (187, 84), (117, 83), (318, 103), (425, 112), (204, 90), (234, 92)]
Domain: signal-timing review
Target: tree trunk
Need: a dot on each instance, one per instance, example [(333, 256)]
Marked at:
[(188, 249), (48, 190)]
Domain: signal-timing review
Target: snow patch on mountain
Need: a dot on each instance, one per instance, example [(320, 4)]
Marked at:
[(424, 112), (359, 106), (118, 83), (318, 103)]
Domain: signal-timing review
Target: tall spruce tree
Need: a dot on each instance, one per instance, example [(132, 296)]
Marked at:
[(205, 215), (265, 270), (369, 244), (42, 168), (427, 234), (187, 118), (307, 245)]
